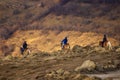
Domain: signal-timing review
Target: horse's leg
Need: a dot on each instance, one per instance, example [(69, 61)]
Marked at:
[(62, 46), (102, 43), (29, 51), (109, 45), (68, 46)]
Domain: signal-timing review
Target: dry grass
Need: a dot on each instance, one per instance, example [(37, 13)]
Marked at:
[(38, 41), (84, 19)]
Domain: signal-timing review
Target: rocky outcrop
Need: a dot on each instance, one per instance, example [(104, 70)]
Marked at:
[(118, 50), (66, 75), (87, 65), (100, 49), (77, 48)]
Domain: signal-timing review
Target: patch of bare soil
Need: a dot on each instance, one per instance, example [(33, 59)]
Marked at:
[(61, 65)]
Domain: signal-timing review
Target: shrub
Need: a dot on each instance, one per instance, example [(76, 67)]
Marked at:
[(28, 15), (16, 11)]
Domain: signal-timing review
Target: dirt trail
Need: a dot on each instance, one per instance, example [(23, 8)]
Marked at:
[(114, 75)]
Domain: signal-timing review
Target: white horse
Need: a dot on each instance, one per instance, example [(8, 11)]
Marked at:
[(106, 44)]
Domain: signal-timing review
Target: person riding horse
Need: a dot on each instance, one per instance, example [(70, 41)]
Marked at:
[(104, 40), (105, 43), (64, 42), (23, 47)]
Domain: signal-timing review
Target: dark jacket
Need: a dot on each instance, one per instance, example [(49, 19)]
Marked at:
[(105, 38), (64, 41), (25, 45)]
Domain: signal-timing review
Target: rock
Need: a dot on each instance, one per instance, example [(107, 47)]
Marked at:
[(79, 77), (58, 75), (100, 49), (87, 65), (48, 75), (66, 73), (77, 48), (51, 74), (60, 71), (110, 67), (118, 50)]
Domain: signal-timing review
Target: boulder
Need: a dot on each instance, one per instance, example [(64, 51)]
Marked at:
[(60, 71), (77, 48), (87, 65), (100, 49), (118, 50)]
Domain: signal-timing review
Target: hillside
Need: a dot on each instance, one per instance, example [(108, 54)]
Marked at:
[(45, 23), (79, 63)]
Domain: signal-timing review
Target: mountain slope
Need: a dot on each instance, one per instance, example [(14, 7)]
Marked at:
[(57, 19), (63, 65)]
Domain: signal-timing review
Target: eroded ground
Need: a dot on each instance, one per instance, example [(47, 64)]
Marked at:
[(61, 65)]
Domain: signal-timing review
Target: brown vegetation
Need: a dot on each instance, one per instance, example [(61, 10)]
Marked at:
[(96, 18), (62, 65), (99, 17)]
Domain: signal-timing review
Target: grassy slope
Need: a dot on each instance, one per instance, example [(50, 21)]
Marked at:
[(85, 23), (49, 42)]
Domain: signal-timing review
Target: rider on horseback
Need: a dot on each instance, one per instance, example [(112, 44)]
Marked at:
[(104, 39), (25, 45), (64, 42)]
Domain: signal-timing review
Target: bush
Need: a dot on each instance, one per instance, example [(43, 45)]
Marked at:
[(3, 20), (28, 15), (16, 11)]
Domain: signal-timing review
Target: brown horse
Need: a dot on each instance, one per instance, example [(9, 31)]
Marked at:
[(66, 46), (106, 44)]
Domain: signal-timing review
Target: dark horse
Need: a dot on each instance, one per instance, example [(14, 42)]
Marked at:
[(24, 50)]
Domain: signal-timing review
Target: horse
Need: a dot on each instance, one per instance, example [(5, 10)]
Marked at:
[(65, 46), (25, 51), (106, 44)]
